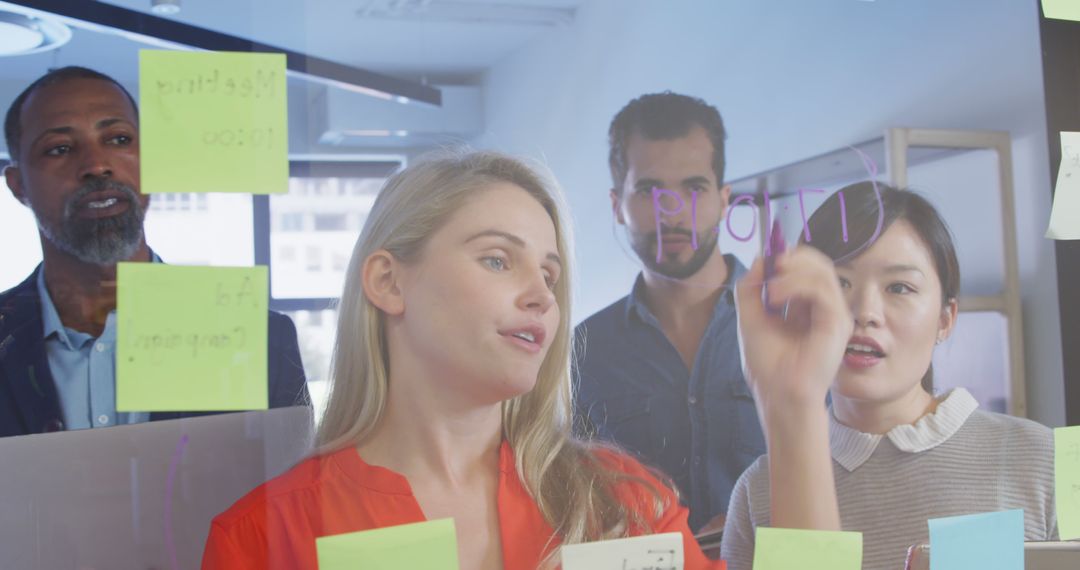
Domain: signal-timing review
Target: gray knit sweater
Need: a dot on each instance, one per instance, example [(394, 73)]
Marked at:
[(956, 461)]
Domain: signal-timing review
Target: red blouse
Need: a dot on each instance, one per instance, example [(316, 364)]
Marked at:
[(275, 525)]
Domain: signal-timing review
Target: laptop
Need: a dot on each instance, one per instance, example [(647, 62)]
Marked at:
[(136, 497), (1037, 556)]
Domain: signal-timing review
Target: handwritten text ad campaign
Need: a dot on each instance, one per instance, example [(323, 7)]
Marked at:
[(661, 209)]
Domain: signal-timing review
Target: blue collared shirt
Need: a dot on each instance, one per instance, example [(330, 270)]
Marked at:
[(698, 426), (83, 368)]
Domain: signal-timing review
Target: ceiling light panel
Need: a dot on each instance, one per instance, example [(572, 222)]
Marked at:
[(22, 34)]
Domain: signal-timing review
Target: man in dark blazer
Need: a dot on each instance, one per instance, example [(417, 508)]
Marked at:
[(73, 140)]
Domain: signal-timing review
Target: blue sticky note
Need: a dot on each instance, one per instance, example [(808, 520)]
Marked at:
[(987, 541)]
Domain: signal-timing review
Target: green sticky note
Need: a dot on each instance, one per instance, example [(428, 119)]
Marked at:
[(191, 338), (1065, 211), (784, 549), (1067, 481), (213, 122), (430, 545), (1062, 9)]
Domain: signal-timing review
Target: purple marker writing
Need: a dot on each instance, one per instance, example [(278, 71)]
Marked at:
[(776, 247), (658, 209), (174, 464)]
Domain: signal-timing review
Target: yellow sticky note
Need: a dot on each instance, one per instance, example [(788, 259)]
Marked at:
[(784, 549), (430, 545), (1062, 9), (213, 122), (191, 338), (1067, 481), (1065, 214)]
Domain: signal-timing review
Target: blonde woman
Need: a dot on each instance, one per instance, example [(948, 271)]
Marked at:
[(451, 392)]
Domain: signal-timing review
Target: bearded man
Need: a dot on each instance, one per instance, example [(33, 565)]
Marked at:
[(73, 137), (660, 373)]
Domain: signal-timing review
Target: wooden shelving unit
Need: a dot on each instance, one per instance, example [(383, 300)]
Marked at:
[(894, 153)]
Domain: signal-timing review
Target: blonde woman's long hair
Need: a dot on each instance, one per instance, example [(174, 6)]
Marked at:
[(573, 489)]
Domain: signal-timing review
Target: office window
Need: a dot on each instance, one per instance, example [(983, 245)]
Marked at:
[(313, 259), (292, 222), (320, 218), (307, 240), (17, 226), (180, 202), (203, 229), (340, 262), (330, 222)]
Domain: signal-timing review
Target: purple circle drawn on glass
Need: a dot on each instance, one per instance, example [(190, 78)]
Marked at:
[(753, 228)]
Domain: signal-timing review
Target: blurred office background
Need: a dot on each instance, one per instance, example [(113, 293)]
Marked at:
[(543, 78)]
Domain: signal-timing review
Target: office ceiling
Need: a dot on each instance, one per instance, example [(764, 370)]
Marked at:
[(399, 37), (447, 42), (439, 41)]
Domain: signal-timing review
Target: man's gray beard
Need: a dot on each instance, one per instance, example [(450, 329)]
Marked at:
[(99, 241)]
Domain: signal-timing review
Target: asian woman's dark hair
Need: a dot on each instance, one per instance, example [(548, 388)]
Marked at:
[(861, 211)]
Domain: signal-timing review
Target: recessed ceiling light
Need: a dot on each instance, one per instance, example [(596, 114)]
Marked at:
[(21, 34), (165, 7)]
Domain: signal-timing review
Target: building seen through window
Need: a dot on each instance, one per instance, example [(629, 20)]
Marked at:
[(313, 229)]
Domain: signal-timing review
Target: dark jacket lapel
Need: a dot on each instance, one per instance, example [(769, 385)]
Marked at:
[(28, 395)]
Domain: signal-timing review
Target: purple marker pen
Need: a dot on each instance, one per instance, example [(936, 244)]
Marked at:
[(776, 247)]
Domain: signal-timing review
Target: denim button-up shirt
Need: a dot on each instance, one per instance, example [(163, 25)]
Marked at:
[(84, 368), (698, 426)]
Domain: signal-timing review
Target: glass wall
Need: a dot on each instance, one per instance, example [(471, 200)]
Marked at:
[(370, 87)]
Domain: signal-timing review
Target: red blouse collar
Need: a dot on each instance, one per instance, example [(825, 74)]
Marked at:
[(383, 480)]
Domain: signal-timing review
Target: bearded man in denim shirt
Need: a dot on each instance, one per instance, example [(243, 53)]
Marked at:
[(658, 371)]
